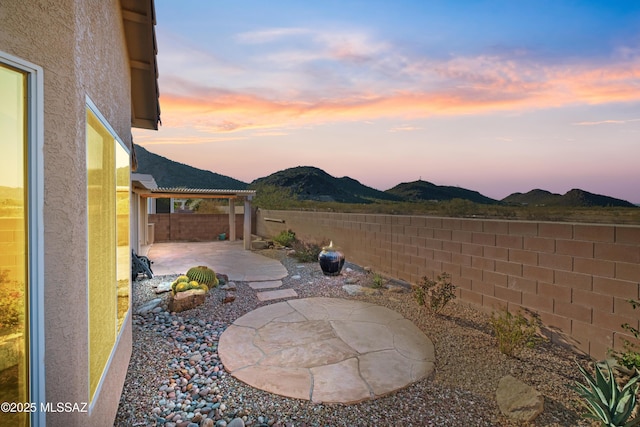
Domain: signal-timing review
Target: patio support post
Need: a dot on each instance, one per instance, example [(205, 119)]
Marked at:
[(232, 219), (247, 223)]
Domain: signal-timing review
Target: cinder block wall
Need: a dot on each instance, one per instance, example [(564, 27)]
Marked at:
[(193, 227), (577, 277)]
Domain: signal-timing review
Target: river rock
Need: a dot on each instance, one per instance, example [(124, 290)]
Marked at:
[(518, 400), (163, 287), (229, 297), (147, 307)]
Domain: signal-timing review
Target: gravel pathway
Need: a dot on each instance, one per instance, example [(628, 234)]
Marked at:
[(176, 379)]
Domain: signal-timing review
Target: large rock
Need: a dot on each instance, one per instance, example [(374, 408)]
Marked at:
[(187, 300), (517, 400), (148, 306)]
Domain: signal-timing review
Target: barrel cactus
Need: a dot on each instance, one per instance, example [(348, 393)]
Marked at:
[(182, 286), (203, 275), (180, 279)]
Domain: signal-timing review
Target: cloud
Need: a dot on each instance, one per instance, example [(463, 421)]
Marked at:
[(339, 76), (142, 137), (270, 35), (606, 122), (405, 128)]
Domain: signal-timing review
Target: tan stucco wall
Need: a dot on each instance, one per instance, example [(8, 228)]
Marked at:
[(80, 46)]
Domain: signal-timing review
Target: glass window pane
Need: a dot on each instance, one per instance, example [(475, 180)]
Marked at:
[(102, 249), (123, 181), (14, 317)]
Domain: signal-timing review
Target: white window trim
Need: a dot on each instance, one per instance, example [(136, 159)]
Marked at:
[(35, 221)]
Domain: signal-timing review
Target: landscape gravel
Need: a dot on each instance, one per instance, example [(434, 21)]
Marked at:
[(175, 377)]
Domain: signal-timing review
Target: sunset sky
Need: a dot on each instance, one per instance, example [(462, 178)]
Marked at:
[(493, 96)]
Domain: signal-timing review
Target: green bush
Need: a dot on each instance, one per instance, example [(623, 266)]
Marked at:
[(605, 400), (307, 252), (437, 293), (285, 238), (377, 280), (514, 332)]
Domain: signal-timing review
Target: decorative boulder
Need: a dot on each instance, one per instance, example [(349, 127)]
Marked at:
[(187, 300), (517, 400)]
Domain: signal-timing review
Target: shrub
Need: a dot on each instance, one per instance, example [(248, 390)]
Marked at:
[(307, 252), (377, 280), (514, 332), (630, 357), (607, 402), (437, 293), (12, 302), (285, 238)]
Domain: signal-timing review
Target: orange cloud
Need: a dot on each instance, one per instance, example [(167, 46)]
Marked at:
[(460, 86)]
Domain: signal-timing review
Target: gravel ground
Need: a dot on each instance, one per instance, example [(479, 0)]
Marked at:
[(176, 379)]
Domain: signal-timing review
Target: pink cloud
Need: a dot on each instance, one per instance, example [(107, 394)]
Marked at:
[(460, 86)]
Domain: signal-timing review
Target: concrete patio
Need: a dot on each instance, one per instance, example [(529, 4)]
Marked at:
[(225, 257)]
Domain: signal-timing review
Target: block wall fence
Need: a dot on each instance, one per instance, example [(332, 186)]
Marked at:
[(577, 277), (180, 227)]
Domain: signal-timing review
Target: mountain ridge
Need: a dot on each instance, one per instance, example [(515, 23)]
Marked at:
[(171, 174), (312, 183)]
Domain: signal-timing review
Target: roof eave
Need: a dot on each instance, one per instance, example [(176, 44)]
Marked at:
[(139, 27)]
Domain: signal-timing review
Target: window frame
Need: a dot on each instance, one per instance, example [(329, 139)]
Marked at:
[(35, 228)]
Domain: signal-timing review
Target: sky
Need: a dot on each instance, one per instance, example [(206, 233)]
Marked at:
[(494, 96)]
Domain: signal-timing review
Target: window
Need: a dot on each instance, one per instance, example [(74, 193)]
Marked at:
[(21, 235), (109, 255), (14, 247)]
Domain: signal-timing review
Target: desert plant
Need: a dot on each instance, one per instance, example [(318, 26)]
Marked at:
[(12, 302), (630, 357), (605, 400), (203, 274), (285, 238), (437, 293), (307, 252), (514, 332), (377, 280)]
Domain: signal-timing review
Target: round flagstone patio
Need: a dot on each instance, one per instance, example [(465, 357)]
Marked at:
[(326, 350)]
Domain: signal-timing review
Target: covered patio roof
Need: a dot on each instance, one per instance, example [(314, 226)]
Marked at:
[(199, 193), (145, 186)]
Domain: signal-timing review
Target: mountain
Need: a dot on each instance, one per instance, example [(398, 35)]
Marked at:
[(11, 193), (168, 173), (310, 183), (423, 190), (572, 198)]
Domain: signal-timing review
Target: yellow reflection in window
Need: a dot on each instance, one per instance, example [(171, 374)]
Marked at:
[(14, 283), (102, 247), (122, 211)]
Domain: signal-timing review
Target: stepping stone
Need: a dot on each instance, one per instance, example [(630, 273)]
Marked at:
[(278, 294), (269, 284)]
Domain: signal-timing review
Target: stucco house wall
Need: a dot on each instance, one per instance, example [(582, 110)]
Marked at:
[(81, 47)]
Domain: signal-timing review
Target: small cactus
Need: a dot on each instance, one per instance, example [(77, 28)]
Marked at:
[(203, 275)]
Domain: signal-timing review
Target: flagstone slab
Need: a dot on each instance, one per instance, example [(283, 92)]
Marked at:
[(279, 294), (326, 350), (339, 382), (267, 284)]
